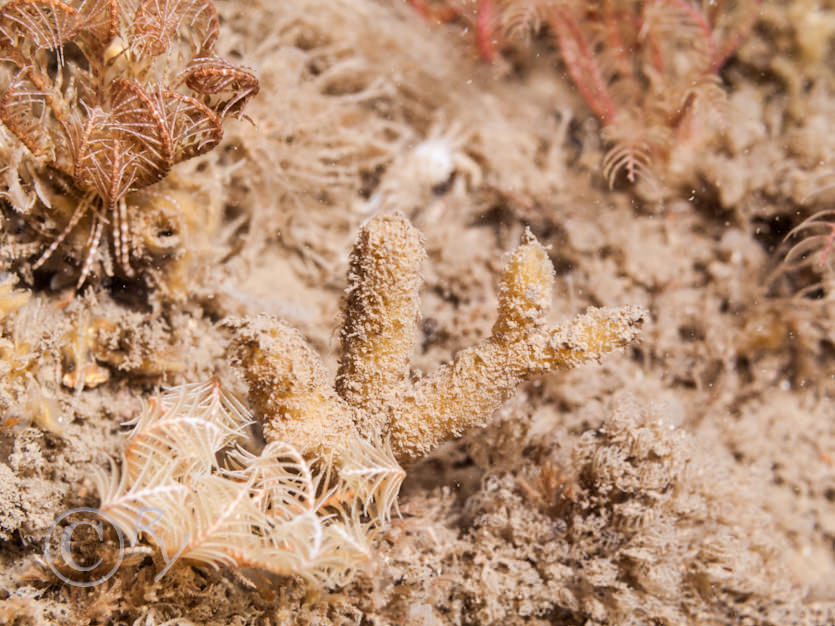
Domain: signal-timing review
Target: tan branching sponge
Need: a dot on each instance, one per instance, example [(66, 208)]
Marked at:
[(382, 311), (374, 395)]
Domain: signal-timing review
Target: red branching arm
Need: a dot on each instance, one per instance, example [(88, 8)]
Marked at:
[(582, 66), (485, 30)]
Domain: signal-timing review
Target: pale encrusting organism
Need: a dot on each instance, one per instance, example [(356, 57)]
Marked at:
[(45, 351), (308, 503)]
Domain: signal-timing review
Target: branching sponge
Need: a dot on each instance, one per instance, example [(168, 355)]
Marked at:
[(374, 395)]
